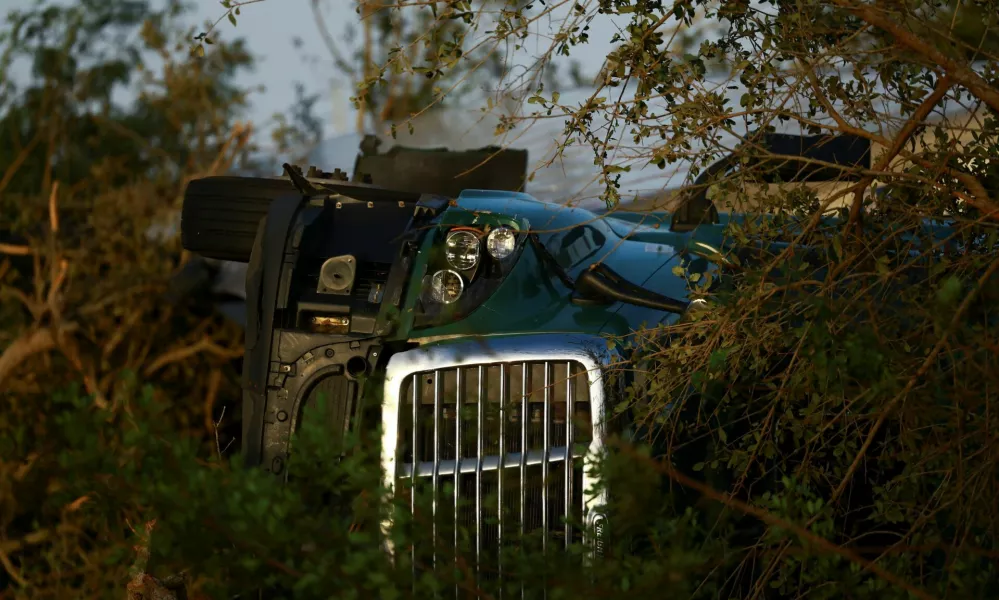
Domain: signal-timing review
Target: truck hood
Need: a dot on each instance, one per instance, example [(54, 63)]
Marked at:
[(642, 251)]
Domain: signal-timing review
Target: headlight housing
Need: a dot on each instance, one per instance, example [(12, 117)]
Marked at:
[(465, 266)]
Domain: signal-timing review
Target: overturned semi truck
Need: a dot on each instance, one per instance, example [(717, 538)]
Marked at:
[(481, 314)]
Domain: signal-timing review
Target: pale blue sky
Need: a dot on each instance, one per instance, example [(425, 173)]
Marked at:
[(269, 27)]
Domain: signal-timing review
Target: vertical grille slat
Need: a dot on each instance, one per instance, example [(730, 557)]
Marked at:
[(546, 441), (524, 425), (458, 402), (415, 398), (498, 445), (569, 441), (524, 420), (480, 436), (503, 405), (438, 389)]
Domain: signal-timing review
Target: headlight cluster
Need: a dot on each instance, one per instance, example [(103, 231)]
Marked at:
[(463, 250)]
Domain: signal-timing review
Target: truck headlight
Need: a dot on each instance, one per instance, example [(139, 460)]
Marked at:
[(501, 242), (446, 286), (462, 249), (465, 265)]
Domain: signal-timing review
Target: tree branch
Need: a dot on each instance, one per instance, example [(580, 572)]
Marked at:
[(957, 71), (28, 345), (944, 84)]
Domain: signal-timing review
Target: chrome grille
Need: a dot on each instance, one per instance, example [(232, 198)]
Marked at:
[(482, 430), (466, 427)]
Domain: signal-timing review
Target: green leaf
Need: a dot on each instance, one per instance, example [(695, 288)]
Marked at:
[(881, 266), (719, 358), (232, 19), (949, 291)]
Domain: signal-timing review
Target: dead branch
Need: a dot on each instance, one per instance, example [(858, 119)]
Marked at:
[(29, 344), (179, 354), (54, 209), (14, 250), (12, 570), (211, 394)]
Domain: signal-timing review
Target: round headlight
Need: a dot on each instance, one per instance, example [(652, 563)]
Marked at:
[(462, 250), (501, 242), (446, 286)]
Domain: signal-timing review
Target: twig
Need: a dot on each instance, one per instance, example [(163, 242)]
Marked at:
[(52, 304), (69, 349), (32, 539), (233, 6), (218, 423), (214, 379), (120, 331), (179, 354), (14, 250), (22, 156), (12, 570), (54, 209)]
